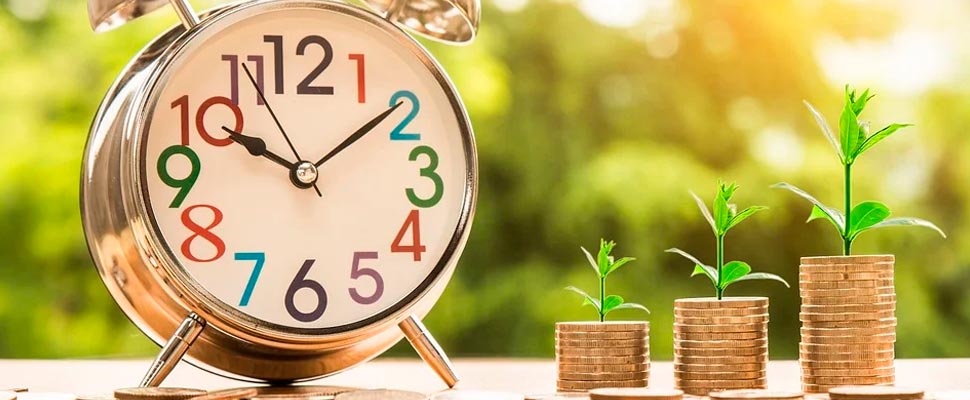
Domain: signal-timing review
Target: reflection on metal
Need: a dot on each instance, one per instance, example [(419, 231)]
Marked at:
[(429, 350), (173, 351), (450, 21), (109, 14), (185, 12)]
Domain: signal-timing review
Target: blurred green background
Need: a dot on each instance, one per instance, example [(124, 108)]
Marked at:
[(594, 118)]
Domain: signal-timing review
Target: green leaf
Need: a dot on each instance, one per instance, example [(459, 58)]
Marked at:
[(860, 104), (603, 258), (848, 130), (865, 215), (826, 130), (722, 211), (709, 272), (754, 276), (905, 221), (879, 136), (592, 262), (704, 268), (832, 214), (733, 271), (704, 210), (630, 306), (587, 299), (619, 263), (610, 302), (741, 216), (817, 213)]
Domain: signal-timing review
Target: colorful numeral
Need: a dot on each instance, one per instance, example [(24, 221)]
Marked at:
[(302, 282), (427, 172), (184, 185), (357, 272), (398, 132), (203, 232), (183, 104), (234, 76), (305, 86), (412, 222), (260, 259), (361, 88)]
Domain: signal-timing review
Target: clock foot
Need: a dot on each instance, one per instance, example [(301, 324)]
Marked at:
[(429, 350), (173, 351)]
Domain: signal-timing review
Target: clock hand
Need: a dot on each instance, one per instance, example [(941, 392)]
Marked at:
[(257, 147), (277, 121), (358, 134)]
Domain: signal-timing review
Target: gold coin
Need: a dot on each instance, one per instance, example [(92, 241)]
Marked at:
[(880, 267), (594, 360), (842, 308), (600, 368), (875, 393), (748, 319), (601, 343), (643, 335), (586, 385), (380, 394), (720, 375), (157, 393), (722, 352), (847, 356), (886, 371), (557, 396), (729, 302), (858, 332), (719, 360), (719, 312), (881, 323), (827, 301), (853, 364), (228, 394), (757, 383), (753, 327), (846, 316), (817, 389), (701, 336), (760, 394), (847, 292), (601, 352), (635, 394), (603, 376), (843, 276), (811, 339), (720, 344), (461, 394), (848, 380), (301, 392), (846, 348), (758, 366), (7, 395), (848, 260), (872, 283), (608, 326)]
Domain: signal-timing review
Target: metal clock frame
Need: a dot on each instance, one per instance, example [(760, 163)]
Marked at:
[(157, 294)]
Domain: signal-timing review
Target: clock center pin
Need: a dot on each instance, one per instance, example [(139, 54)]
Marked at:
[(305, 174)]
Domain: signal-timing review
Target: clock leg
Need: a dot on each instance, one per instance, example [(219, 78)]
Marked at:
[(173, 351), (429, 350)]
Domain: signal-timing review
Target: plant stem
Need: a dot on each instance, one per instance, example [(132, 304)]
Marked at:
[(846, 241), (602, 298), (720, 265)]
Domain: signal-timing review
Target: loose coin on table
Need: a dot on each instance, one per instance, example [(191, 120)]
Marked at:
[(459, 394), (760, 394), (157, 393), (380, 394), (299, 392), (635, 394), (874, 393), (228, 394)]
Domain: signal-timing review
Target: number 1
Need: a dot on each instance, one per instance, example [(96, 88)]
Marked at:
[(260, 259)]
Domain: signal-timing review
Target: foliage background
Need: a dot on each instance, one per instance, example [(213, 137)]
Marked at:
[(593, 118)]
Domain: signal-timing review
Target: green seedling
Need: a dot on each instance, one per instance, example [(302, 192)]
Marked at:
[(725, 217), (854, 139), (604, 264)]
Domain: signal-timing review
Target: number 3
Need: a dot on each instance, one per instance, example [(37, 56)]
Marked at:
[(427, 172)]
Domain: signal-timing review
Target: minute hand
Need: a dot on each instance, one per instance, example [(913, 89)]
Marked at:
[(358, 134)]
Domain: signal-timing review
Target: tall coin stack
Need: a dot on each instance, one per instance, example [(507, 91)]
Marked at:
[(848, 316), (592, 355), (720, 344)]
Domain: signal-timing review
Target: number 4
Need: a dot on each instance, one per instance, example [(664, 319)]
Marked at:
[(413, 222)]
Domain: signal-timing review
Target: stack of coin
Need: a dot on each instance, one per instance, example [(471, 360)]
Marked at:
[(848, 316), (592, 355), (720, 344)]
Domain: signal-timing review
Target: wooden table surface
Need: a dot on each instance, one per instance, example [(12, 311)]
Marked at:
[(946, 378)]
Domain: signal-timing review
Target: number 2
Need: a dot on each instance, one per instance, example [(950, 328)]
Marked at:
[(397, 133)]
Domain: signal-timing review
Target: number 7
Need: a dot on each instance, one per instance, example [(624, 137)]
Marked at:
[(260, 259)]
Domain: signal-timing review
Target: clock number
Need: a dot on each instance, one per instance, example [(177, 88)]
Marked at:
[(413, 221), (183, 104), (203, 232), (277, 42), (357, 272), (427, 172), (305, 86), (184, 185), (234, 76), (397, 133), (361, 89), (301, 282), (260, 259)]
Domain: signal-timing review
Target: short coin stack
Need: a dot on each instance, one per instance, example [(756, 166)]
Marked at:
[(720, 344), (592, 355), (848, 316), (874, 393)]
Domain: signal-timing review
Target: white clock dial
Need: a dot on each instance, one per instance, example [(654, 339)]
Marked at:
[(342, 220)]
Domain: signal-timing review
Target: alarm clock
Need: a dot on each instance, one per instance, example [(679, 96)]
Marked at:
[(279, 190)]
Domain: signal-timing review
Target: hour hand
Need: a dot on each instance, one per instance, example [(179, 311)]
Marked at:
[(257, 147)]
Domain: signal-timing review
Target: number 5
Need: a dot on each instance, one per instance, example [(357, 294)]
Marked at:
[(356, 272)]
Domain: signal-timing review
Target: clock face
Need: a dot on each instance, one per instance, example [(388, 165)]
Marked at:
[(305, 168)]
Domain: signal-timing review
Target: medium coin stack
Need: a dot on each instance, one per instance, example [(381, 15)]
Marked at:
[(848, 316), (720, 344), (592, 355)]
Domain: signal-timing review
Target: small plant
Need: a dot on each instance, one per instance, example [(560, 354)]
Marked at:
[(604, 265), (854, 139), (724, 218)]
